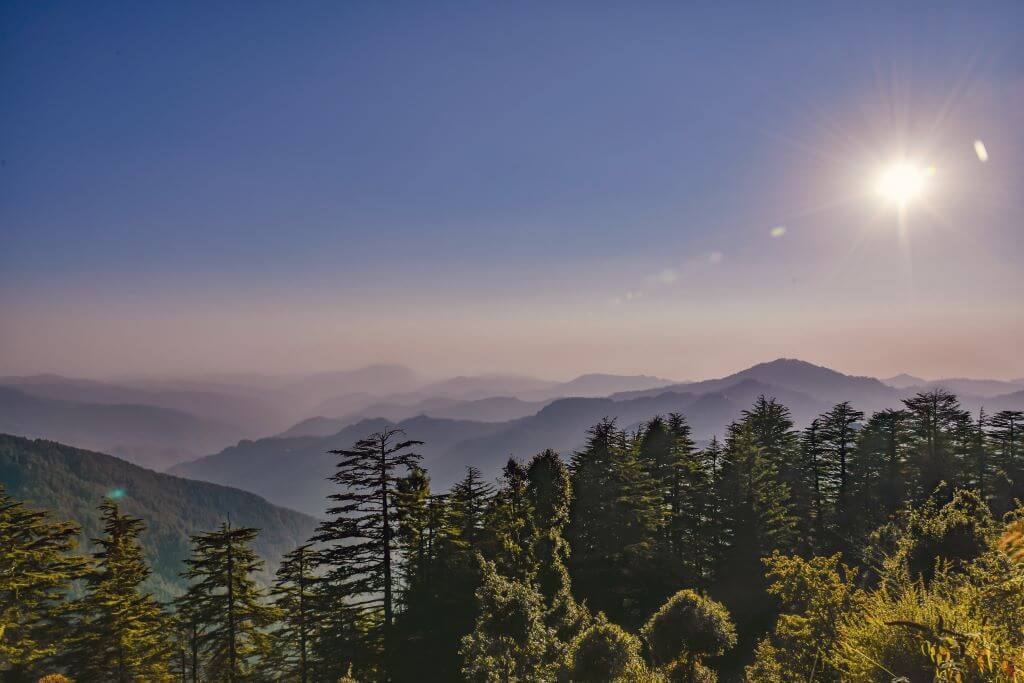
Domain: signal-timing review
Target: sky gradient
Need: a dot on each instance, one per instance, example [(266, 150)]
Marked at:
[(676, 189)]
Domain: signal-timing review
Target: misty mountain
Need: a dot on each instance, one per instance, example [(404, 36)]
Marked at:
[(903, 381), (494, 409), (815, 381), (484, 386), (971, 387), (147, 435), (252, 415), (293, 471), (1014, 401), (72, 483), (599, 384), (376, 380)]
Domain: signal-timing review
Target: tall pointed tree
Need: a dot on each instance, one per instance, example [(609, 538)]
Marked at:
[(878, 472), (227, 602), (36, 570), (510, 524), (933, 419), (836, 438), (120, 631), (360, 533), (294, 597), (1006, 438)]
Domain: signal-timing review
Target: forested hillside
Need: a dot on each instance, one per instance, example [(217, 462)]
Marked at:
[(73, 482), (862, 548)]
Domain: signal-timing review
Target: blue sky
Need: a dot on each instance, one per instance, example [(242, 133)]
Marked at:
[(533, 187)]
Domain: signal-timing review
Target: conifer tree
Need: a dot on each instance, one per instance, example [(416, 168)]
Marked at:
[(811, 454), (878, 472), (227, 603), (590, 532), (771, 426), (1005, 431), (360, 532), (510, 524), (754, 518), (119, 631), (36, 570), (469, 500), (689, 502), (549, 493), (294, 596), (836, 440), (933, 419)]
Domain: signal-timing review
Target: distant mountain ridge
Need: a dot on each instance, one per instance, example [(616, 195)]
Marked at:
[(72, 483), (292, 471), (149, 435), (815, 381)]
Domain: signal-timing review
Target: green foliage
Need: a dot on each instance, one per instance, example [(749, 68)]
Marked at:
[(228, 605), (687, 629), (294, 597), (962, 621), (119, 633), (605, 652), (36, 570), (509, 641), (813, 594)]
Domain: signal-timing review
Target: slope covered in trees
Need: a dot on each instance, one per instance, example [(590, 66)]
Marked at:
[(72, 482)]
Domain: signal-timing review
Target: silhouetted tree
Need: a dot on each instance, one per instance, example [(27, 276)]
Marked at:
[(360, 529)]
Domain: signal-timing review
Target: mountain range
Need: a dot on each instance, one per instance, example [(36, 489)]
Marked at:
[(234, 429), (291, 469), (72, 482)]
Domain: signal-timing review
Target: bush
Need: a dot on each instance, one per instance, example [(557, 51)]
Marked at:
[(687, 628), (605, 652)]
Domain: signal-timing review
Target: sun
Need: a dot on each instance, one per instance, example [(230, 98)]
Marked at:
[(903, 182)]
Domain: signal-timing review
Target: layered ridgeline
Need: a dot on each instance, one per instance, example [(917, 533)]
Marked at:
[(292, 469), (72, 483)]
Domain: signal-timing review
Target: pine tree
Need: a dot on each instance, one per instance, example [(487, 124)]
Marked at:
[(119, 632), (469, 500), (228, 605), (771, 426), (617, 522), (360, 533), (878, 472), (754, 518), (811, 453), (836, 440), (933, 419), (549, 494), (294, 597), (36, 570), (1006, 438), (689, 503), (980, 469), (510, 525), (590, 532)]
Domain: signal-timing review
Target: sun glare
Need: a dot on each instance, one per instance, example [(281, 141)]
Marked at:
[(903, 182)]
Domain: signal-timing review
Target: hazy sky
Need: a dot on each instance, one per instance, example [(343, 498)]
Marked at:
[(680, 189)]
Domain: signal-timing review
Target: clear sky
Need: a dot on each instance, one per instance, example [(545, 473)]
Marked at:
[(680, 189)]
